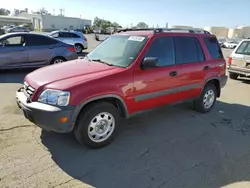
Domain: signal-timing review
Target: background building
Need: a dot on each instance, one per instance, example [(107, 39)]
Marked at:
[(245, 31), (234, 33), (50, 22), (13, 20), (181, 26), (218, 31)]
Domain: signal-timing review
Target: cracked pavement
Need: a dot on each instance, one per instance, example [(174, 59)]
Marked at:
[(172, 146)]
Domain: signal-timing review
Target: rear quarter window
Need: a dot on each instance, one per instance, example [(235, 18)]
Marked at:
[(244, 48), (213, 47)]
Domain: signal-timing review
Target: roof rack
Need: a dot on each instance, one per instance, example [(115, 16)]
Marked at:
[(159, 30)]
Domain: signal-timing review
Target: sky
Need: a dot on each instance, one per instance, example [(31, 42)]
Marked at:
[(196, 13)]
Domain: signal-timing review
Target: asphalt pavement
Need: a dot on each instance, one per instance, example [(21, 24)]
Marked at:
[(173, 146)]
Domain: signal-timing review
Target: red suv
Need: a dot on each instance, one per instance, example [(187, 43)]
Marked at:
[(131, 71)]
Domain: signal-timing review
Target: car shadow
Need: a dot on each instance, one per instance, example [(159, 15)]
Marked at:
[(244, 80), (14, 76), (171, 146)]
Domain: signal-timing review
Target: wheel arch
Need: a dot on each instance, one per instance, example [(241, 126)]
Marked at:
[(116, 100), (61, 57), (216, 82)]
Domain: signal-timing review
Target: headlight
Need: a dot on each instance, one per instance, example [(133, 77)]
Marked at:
[(55, 97)]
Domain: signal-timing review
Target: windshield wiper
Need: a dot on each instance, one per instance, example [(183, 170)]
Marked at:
[(101, 61)]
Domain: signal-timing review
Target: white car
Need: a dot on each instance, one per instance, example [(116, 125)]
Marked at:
[(230, 44), (17, 29), (71, 37)]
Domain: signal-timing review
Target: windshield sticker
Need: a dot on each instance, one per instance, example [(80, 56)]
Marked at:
[(136, 38)]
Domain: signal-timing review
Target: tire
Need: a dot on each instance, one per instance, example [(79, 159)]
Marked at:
[(57, 60), (79, 48), (199, 104), (233, 76), (104, 111)]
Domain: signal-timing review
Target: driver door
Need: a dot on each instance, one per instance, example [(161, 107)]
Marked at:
[(13, 52)]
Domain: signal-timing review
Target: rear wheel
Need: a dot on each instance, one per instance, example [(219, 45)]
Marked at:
[(233, 76), (57, 60), (78, 48), (207, 99), (97, 125)]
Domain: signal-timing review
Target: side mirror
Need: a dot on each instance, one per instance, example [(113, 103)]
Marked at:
[(149, 63)]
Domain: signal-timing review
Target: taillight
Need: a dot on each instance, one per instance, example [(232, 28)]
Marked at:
[(229, 62), (72, 49)]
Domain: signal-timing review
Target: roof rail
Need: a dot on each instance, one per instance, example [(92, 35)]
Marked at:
[(159, 30)]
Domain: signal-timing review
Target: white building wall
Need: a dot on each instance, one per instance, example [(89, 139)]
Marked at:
[(245, 31), (232, 33), (61, 22), (50, 22), (218, 31), (181, 26)]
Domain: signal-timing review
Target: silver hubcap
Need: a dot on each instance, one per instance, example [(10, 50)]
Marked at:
[(58, 61), (78, 48), (101, 127), (209, 98)]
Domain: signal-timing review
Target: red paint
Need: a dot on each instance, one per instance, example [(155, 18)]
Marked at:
[(86, 79)]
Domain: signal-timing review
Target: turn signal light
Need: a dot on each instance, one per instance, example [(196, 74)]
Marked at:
[(63, 119)]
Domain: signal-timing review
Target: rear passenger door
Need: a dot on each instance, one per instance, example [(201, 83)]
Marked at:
[(190, 55), (40, 50), (67, 37), (216, 65)]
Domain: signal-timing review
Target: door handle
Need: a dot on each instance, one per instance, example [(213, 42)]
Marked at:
[(173, 73), (206, 68)]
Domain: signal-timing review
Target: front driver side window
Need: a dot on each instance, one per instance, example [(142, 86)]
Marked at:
[(14, 41), (163, 49)]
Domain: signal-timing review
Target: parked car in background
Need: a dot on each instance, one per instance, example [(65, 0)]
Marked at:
[(230, 44), (18, 29), (71, 37), (25, 50), (128, 73), (239, 60), (2, 31)]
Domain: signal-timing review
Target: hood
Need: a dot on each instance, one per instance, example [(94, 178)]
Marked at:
[(64, 75)]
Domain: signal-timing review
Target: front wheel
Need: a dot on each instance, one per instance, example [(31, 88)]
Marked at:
[(207, 99), (97, 125)]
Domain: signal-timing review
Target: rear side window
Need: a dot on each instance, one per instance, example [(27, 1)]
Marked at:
[(213, 47), (188, 50), (36, 40), (244, 48)]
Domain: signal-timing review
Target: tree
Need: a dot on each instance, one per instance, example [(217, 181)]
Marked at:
[(4, 11), (103, 24), (43, 11), (16, 12), (142, 25)]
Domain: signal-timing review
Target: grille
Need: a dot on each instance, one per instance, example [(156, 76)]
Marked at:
[(28, 90)]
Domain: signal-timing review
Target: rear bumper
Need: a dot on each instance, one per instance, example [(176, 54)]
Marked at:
[(241, 71), (46, 116), (223, 81), (73, 56)]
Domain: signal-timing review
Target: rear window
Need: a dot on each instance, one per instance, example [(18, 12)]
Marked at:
[(244, 48), (213, 47)]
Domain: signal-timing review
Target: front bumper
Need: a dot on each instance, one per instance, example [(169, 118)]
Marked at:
[(223, 81), (47, 116)]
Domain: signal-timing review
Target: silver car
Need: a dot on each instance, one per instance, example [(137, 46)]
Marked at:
[(17, 29), (71, 37), (239, 60), (26, 50)]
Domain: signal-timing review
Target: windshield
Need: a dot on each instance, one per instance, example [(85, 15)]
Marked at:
[(244, 48), (118, 50)]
